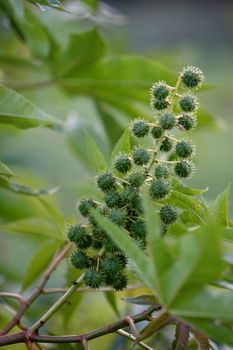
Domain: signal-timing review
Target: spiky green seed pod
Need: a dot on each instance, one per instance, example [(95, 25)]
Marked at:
[(166, 145), (111, 247), (123, 163), (140, 128), (183, 168), (110, 265), (106, 182), (160, 104), (168, 214), (188, 103), (99, 234), (130, 196), (135, 207), (167, 121), (96, 244), (80, 260), (135, 179), (85, 206), (138, 229), (120, 281), (156, 132), (140, 156), (78, 235), (187, 121), (93, 279), (192, 77), (122, 259), (161, 171), (160, 90), (118, 217), (159, 189), (141, 242), (113, 200), (184, 149)]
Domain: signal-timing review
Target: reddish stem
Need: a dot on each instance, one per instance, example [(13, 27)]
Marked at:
[(37, 291)]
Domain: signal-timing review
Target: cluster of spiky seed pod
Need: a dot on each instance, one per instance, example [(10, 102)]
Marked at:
[(104, 263)]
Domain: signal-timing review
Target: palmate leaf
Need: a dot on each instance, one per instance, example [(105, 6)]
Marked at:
[(18, 111)]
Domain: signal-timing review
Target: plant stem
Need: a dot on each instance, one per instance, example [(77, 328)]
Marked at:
[(56, 306), (14, 296), (132, 338), (110, 328), (37, 291)]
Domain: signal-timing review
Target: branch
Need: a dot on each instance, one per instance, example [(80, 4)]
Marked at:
[(37, 291), (105, 289), (14, 296), (111, 328)]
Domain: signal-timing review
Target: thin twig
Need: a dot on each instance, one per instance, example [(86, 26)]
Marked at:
[(105, 289), (132, 338), (14, 296), (37, 291)]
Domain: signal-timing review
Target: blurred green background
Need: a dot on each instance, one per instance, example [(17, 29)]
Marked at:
[(173, 33)]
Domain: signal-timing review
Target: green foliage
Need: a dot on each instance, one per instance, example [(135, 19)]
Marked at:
[(16, 110)]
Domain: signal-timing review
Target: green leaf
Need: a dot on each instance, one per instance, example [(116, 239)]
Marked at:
[(123, 144), (121, 238), (199, 263), (97, 159), (112, 301), (25, 190), (197, 210), (4, 170), (83, 50), (129, 77), (160, 257), (112, 125), (214, 303), (55, 215), (51, 3), (206, 120), (38, 263), (217, 331), (34, 226), (178, 186), (142, 300), (222, 206), (93, 4), (28, 27), (16, 110)]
